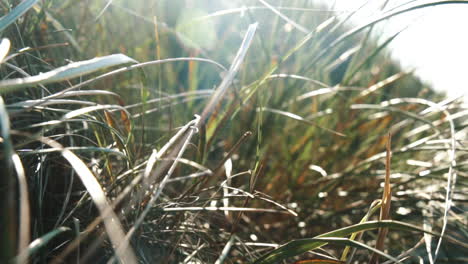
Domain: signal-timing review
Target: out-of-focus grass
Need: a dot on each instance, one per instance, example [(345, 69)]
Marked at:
[(288, 143)]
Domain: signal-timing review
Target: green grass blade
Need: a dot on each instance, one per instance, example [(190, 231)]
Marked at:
[(300, 246), (321, 241), (370, 58), (18, 11), (373, 208), (300, 119), (69, 71), (38, 243)]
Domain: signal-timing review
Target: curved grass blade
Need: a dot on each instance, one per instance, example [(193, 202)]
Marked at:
[(112, 223), (24, 207), (372, 209), (130, 68), (300, 119), (11, 164), (18, 11), (313, 243), (300, 246), (72, 70), (38, 243)]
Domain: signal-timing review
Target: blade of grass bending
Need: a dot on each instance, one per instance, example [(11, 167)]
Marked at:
[(313, 243), (14, 14), (300, 119), (38, 243), (373, 208), (24, 208), (8, 204), (112, 224), (222, 88), (129, 68), (304, 245), (386, 201), (149, 175), (72, 70)]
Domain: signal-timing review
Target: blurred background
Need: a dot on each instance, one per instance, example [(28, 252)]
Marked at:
[(433, 42)]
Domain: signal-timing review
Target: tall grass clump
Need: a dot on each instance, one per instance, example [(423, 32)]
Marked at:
[(222, 131)]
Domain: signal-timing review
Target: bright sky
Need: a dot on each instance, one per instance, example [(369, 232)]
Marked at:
[(436, 41)]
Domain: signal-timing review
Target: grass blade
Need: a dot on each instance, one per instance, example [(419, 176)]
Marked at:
[(222, 89), (386, 201), (111, 222), (300, 246), (8, 203), (284, 17), (18, 11), (318, 242), (24, 208), (69, 71), (38, 243), (300, 119)]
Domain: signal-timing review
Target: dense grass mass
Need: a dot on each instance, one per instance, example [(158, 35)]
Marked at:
[(222, 131)]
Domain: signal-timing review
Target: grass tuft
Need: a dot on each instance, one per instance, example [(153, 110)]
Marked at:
[(156, 152)]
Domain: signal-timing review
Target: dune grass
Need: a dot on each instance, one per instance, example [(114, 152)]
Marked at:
[(226, 131)]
